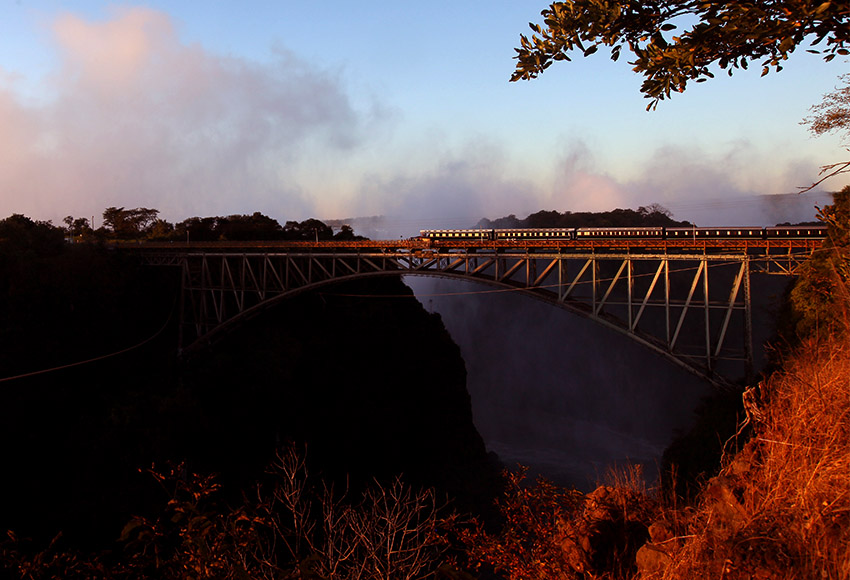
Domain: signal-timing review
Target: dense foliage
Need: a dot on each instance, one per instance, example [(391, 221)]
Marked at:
[(675, 42), (143, 224), (820, 299), (651, 216)]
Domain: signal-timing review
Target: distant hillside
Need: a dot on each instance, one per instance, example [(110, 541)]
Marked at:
[(651, 216)]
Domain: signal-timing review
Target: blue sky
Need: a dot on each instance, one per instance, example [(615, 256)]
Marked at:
[(339, 109)]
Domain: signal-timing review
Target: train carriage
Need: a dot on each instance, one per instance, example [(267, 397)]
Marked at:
[(535, 234), (785, 232), (715, 233), (642, 233), (620, 233), (470, 234)]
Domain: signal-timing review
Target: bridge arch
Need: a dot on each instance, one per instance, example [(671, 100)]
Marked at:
[(654, 295), (205, 333)]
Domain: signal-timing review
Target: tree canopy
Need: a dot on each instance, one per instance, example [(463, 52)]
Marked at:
[(820, 299), (143, 224), (129, 223), (677, 41), (654, 215)]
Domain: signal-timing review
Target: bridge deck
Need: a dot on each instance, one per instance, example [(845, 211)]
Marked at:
[(625, 244)]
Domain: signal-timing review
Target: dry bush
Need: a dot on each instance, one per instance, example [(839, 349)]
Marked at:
[(391, 532), (781, 507), (295, 528), (526, 547), (552, 532)]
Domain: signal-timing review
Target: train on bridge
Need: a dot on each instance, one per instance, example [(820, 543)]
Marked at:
[(636, 233)]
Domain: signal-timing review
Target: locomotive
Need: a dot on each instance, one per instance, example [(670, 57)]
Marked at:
[(639, 233)]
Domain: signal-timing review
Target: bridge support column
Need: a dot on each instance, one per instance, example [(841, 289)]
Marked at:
[(709, 361), (748, 323)]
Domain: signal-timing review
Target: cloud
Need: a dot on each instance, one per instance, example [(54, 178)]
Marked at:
[(738, 185), (133, 116), (136, 117), (579, 185), (481, 179), (455, 189)]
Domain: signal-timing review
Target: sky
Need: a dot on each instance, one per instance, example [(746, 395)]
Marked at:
[(338, 109)]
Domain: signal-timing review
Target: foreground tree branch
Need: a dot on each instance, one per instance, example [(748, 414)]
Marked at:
[(728, 35)]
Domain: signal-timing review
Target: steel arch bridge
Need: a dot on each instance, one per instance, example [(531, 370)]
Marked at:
[(688, 301)]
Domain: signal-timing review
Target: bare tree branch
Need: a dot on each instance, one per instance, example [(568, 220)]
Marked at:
[(831, 171)]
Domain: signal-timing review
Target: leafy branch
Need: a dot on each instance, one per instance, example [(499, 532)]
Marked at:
[(728, 35)]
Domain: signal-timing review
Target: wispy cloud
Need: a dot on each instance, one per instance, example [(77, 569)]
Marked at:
[(135, 117)]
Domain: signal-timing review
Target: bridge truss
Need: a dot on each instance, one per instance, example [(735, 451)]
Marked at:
[(690, 303)]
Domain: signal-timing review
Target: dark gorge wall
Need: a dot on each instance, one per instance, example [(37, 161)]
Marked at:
[(361, 373), (371, 385)]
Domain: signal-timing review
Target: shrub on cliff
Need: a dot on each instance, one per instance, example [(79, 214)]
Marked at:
[(781, 507), (820, 299), (552, 532)]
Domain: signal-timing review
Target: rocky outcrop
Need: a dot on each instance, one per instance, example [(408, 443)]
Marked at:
[(605, 534)]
